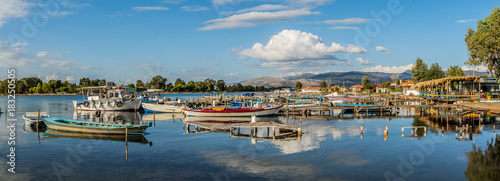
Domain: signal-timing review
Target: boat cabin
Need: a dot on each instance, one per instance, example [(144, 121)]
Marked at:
[(102, 92)]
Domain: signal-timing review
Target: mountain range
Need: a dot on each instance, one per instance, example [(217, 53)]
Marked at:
[(333, 78)]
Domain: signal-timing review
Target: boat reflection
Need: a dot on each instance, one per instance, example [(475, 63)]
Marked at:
[(257, 128), (111, 117), (161, 116), (135, 138)]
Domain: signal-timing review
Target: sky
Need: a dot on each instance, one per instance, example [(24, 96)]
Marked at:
[(233, 40)]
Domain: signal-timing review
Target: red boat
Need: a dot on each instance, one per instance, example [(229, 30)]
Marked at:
[(233, 112)]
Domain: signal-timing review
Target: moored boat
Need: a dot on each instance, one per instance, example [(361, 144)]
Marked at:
[(166, 107), (92, 127), (30, 119), (115, 99), (233, 112)]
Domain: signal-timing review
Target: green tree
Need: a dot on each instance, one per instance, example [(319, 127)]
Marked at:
[(434, 72), (298, 86), (419, 71), (179, 81), (323, 85), (169, 87), (131, 86), (139, 84), (454, 71), (158, 82), (385, 84), (221, 85), (366, 83), (190, 86), (210, 83), (483, 44), (39, 88)]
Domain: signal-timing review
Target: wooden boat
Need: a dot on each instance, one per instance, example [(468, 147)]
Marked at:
[(166, 107), (105, 98), (30, 119), (233, 112), (137, 138), (92, 127)]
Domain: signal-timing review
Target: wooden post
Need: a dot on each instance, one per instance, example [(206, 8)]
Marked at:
[(274, 133), (37, 120), (154, 117), (493, 129), (361, 130)]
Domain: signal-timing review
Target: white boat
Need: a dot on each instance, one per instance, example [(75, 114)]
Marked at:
[(108, 100), (30, 119), (166, 107)]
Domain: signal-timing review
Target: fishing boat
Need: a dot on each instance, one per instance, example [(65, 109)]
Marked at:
[(166, 107), (92, 127), (107, 98), (31, 118), (233, 112), (137, 138)]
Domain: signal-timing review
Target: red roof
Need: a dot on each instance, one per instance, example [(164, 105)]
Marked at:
[(309, 87), (357, 86), (377, 85)]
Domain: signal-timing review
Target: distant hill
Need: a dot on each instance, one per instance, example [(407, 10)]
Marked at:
[(333, 78)]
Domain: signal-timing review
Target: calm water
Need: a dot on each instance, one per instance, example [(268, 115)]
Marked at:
[(328, 150)]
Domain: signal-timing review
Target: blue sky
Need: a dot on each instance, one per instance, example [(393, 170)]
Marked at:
[(233, 40)]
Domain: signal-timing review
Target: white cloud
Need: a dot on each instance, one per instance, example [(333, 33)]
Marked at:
[(42, 54), (54, 76), (231, 74), (363, 61), (465, 20), (70, 78), (12, 9), (393, 69), (293, 45), (382, 49), (349, 21), (343, 28), (303, 65), (480, 68), (195, 8), (263, 7), (253, 18), (150, 8), (194, 69)]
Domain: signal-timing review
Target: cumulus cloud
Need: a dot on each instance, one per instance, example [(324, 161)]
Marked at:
[(150, 8), (253, 18), (70, 78), (480, 68), (363, 61), (54, 76), (382, 49), (12, 9), (465, 20), (195, 8), (293, 45), (388, 69), (344, 28)]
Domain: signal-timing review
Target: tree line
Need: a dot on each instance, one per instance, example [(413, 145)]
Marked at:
[(36, 85)]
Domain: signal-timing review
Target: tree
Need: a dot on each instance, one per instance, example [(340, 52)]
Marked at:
[(158, 82), (385, 84), (483, 44), (298, 86), (131, 86), (179, 81), (419, 71), (454, 71), (210, 84), (139, 84), (46, 88), (39, 88), (435, 72), (190, 86), (366, 82), (221, 85), (323, 85)]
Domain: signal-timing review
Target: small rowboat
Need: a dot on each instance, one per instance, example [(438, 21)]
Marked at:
[(30, 119), (92, 127), (233, 112)]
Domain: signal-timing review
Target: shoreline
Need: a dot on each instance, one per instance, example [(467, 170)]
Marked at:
[(492, 107)]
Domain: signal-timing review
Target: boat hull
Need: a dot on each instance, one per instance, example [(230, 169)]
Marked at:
[(88, 127), (161, 108), (241, 112)]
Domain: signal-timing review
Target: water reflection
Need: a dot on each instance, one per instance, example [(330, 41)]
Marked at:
[(484, 164), (135, 138)]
